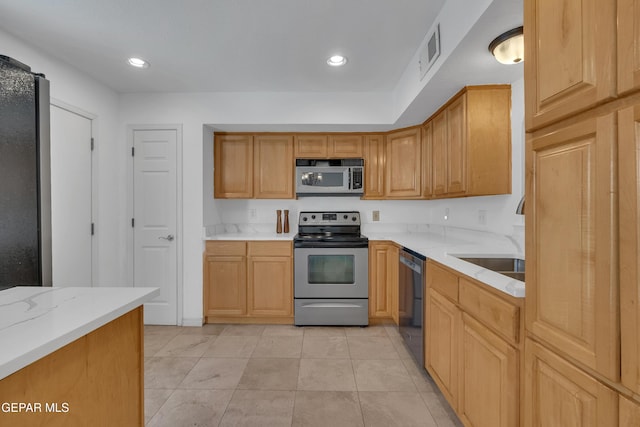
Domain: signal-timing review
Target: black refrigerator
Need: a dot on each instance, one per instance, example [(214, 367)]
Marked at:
[(25, 177)]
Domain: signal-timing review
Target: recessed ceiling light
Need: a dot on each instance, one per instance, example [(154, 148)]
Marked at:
[(337, 60), (138, 62)]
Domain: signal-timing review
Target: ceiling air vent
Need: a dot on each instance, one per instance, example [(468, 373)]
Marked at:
[(430, 51)]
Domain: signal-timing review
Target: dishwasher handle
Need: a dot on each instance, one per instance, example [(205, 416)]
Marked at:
[(412, 265)]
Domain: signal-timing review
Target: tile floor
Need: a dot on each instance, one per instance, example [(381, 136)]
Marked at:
[(268, 375)]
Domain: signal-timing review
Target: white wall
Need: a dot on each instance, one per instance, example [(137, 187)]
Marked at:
[(76, 89)]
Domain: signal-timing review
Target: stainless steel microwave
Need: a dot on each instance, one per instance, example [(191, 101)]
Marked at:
[(329, 177)]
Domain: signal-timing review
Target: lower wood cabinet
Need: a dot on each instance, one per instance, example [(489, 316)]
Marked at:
[(559, 394), (383, 281), (248, 281), (474, 347)]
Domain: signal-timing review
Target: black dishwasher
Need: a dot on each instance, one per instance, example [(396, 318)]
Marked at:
[(410, 302)]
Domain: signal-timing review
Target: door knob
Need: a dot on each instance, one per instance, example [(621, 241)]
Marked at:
[(169, 237)]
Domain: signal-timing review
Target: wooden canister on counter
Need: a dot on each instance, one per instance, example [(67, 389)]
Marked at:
[(279, 221), (286, 220)]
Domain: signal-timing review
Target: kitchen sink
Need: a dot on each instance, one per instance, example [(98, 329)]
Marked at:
[(512, 267)]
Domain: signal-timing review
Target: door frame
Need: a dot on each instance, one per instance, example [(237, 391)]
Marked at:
[(179, 209), (95, 195)]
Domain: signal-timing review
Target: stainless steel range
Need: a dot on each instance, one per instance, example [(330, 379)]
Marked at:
[(331, 258)]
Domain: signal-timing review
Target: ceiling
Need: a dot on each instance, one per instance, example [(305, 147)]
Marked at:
[(262, 45)]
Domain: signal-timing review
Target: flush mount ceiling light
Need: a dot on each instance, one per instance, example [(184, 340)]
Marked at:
[(138, 62), (508, 48), (337, 60)]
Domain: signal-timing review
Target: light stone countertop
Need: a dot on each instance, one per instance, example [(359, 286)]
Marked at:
[(36, 321)]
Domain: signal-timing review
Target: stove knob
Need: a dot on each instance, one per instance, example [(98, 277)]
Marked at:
[(313, 217), (353, 218), (304, 218), (346, 216)]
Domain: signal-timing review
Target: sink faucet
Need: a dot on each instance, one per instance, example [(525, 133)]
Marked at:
[(520, 209)]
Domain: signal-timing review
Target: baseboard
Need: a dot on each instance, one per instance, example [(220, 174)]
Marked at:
[(197, 321)]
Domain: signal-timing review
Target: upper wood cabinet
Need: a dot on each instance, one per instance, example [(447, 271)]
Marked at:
[(571, 242), (471, 143), (404, 164), (374, 162), (256, 166), (233, 170), (629, 235), (334, 146), (570, 62), (628, 46), (311, 146), (427, 178), (273, 167), (343, 146)]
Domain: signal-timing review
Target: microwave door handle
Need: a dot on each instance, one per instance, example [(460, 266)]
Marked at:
[(349, 171)]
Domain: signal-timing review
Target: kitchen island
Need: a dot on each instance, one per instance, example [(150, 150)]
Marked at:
[(72, 356)]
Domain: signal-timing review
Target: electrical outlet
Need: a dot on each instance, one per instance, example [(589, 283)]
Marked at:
[(253, 213), (376, 215), (482, 217)]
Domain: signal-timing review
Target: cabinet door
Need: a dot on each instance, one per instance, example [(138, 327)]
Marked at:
[(427, 178), (311, 146), (383, 277), (571, 244), (457, 146), (226, 286), (403, 164), (442, 345), (439, 154), (273, 167), (569, 64), (233, 159), (373, 167), (628, 46), (629, 225), (270, 290), (489, 386), (345, 146), (629, 413), (559, 394)]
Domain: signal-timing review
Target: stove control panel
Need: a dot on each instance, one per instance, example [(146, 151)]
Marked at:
[(329, 218)]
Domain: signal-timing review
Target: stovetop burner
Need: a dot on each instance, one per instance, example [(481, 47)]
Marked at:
[(329, 228)]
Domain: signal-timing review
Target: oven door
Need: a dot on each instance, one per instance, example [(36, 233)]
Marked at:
[(331, 272)]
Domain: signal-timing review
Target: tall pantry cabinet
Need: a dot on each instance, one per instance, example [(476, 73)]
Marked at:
[(582, 114)]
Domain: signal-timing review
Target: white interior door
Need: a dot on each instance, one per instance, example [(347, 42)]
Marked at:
[(155, 221), (71, 213)]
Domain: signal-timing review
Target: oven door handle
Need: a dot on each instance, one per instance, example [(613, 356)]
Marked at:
[(329, 305)]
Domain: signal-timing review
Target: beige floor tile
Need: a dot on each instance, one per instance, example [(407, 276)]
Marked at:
[(153, 400), (317, 347), (186, 345), (243, 330), (208, 329), (259, 408), (382, 375), (166, 372), (402, 409), (153, 343), (440, 409), (232, 346), (392, 330), (326, 375), (283, 330), (161, 330), (278, 346), (327, 408), (202, 408), (369, 331), (371, 348), (324, 331), (401, 348), (215, 373), (270, 374), (419, 376)]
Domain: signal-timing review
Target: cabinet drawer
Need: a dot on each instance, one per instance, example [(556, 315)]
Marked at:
[(269, 248), (494, 312), (226, 247), (443, 281)]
